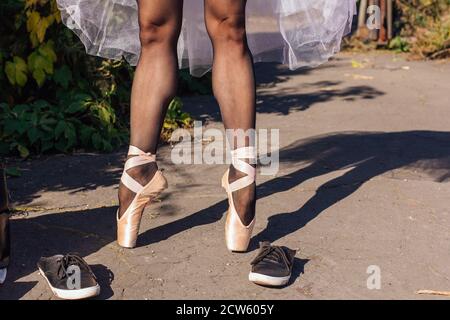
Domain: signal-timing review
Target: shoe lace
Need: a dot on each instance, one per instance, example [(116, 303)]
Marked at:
[(68, 260), (272, 253)]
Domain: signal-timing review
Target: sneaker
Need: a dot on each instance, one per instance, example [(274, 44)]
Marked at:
[(272, 266), (69, 276)]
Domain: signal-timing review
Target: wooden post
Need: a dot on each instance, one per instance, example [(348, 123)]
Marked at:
[(390, 19), (374, 33), (382, 37), (362, 28)]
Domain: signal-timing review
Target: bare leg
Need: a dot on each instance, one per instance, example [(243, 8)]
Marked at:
[(154, 84), (233, 82)]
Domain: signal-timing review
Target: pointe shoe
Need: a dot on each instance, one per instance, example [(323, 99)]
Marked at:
[(128, 224), (237, 235)]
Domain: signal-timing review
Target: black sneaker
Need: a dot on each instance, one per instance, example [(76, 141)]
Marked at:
[(69, 276), (272, 266)]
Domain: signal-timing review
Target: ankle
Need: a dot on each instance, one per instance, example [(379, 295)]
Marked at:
[(144, 173), (234, 174)]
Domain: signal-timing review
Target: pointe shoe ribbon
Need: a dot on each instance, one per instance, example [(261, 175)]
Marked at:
[(128, 224), (239, 164), (140, 158), (237, 235)]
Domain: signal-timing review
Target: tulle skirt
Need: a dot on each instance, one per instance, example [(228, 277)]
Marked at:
[(298, 33)]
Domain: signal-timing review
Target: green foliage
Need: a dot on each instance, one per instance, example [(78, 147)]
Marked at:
[(424, 28), (63, 76), (16, 71), (40, 62), (191, 85), (399, 44), (421, 28), (56, 98), (13, 172), (175, 119), (40, 126)]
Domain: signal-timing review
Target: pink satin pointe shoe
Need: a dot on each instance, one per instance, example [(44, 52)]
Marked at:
[(237, 235), (128, 224)]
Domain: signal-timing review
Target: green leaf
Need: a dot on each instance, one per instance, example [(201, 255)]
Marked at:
[(13, 172), (97, 140), (39, 76), (70, 135), (13, 126), (82, 97), (37, 61), (105, 115), (63, 76), (45, 120), (40, 63), (47, 145), (20, 109), (60, 128), (61, 145), (79, 102), (4, 147), (24, 152), (85, 134), (16, 71), (34, 118), (40, 104), (33, 134), (107, 146), (47, 51), (75, 107)]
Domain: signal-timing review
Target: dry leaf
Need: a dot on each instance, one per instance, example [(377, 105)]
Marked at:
[(434, 293)]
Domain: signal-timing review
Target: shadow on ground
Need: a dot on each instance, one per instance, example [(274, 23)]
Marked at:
[(73, 173), (365, 154), (286, 100), (62, 172), (83, 232)]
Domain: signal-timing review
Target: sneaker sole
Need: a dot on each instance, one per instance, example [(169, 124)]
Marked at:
[(264, 280), (72, 294)]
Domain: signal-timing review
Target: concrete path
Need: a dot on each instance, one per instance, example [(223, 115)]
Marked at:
[(363, 181)]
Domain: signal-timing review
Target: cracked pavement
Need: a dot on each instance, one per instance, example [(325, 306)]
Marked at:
[(363, 180)]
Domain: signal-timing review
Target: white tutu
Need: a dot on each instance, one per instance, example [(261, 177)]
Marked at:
[(295, 32)]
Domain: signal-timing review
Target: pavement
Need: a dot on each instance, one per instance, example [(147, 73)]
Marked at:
[(362, 192)]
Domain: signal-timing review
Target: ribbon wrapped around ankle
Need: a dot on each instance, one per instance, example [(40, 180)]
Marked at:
[(238, 163), (140, 158)]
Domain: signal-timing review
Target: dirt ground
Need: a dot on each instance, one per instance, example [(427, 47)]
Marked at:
[(363, 181)]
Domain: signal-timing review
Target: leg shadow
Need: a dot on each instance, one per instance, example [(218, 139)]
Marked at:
[(297, 270), (104, 278)]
